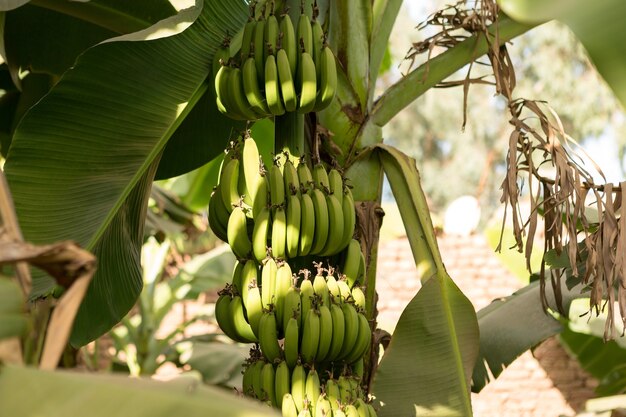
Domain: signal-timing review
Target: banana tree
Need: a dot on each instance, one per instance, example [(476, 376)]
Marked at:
[(102, 98)]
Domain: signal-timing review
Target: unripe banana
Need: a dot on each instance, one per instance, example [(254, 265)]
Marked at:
[(358, 368), (268, 376), (256, 377), (310, 336), (293, 306), (323, 408), (223, 99), (351, 411), (218, 215), (229, 181), (251, 87), (306, 295), (327, 85), (287, 86), (339, 327), (352, 329), (344, 290), (249, 278), (349, 218), (312, 388), (320, 177), (335, 226), (268, 337), (246, 382), (268, 282), (279, 233), (289, 43), (345, 390), (241, 326), (261, 197), (237, 233), (238, 97), (352, 260), (260, 234), (359, 297), (290, 175), (223, 317), (307, 225), (335, 184), (237, 276), (259, 48), (271, 36), (333, 289), (282, 380), (247, 38), (272, 87), (321, 221), (333, 394), (321, 288), (304, 175), (361, 407), (339, 413), (284, 281), (304, 34), (298, 384), (305, 413), (292, 342), (363, 340), (254, 308), (288, 408), (307, 81), (277, 186), (294, 214), (371, 410), (317, 43), (221, 57), (326, 332), (251, 166)]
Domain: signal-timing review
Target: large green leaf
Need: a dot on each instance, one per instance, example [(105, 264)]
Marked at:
[(13, 321), (427, 367), (30, 392), (598, 24), (89, 149), (511, 326)]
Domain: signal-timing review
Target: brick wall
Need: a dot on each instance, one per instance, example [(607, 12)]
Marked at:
[(544, 383)]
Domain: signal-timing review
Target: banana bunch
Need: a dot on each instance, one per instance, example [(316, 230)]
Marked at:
[(303, 391), (292, 210), (283, 68)]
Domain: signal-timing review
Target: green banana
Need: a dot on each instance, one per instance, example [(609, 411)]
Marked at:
[(290, 175), (339, 326), (268, 376), (293, 215), (252, 89), (312, 388), (333, 394), (279, 233), (293, 306), (272, 87), (349, 218), (268, 282), (352, 261), (335, 226), (271, 35), (321, 288), (306, 295), (327, 82), (284, 281), (260, 234), (251, 165), (323, 408), (352, 329), (237, 96), (344, 290), (320, 177), (241, 326), (223, 99), (258, 43), (257, 381), (310, 336), (363, 340), (268, 337), (358, 368), (237, 276), (317, 43), (345, 390), (288, 408), (277, 186), (339, 413), (218, 215), (228, 183), (298, 385), (246, 39), (371, 410), (359, 297), (221, 57), (326, 332), (261, 197), (307, 225), (249, 278), (289, 43), (282, 381), (333, 289), (292, 341), (304, 175), (223, 317), (335, 184), (351, 411), (237, 233), (287, 87), (321, 221), (254, 308), (246, 383), (304, 34), (307, 81)]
